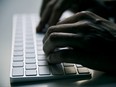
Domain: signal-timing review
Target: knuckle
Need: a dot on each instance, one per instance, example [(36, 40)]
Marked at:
[(87, 23), (84, 13), (51, 29), (52, 37)]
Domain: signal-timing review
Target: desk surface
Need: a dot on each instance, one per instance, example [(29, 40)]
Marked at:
[(7, 9)]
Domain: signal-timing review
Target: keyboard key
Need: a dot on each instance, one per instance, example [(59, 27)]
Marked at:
[(44, 70), (18, 53), (29, 34), (18, 64), (31, 72), (17, 71), (30, 46), (41, 63), (29, 38), (70, 70), (40, 47), (39, 43), (18, 45), (68, 64), (29, 42), (30, 66), (19, 35), (17, 58), (29, 50), (41, 57), (30, 61), (30, 55), (39, 52), (39, 37), (83, 70), (18, 40), (57, 69), (79, 66), (18, 48)]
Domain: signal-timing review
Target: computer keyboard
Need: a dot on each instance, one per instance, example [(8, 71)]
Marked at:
[(28, 61)]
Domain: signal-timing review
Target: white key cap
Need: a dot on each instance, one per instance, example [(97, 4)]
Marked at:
[(18, 53), (68, 64), (18, 48), (83, 70), (70, 70), (78, 65), (29, 38), (29, 42), (17, 72), (18, 58), (18, 64), (18, 40), (41, 63), (39, 43), (41, 57), (39, 47), (30, 66), (30, 55), (18, 45), (31, 72), (44, 70), (30, 61), (29, 50), (40, 52), (30, 46)]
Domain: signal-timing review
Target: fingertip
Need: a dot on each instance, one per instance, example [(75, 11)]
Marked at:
[(38, 29), (41, 29), (54, 58)]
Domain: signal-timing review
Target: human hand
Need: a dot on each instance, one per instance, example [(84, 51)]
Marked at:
[(91, 40), (51, 11)]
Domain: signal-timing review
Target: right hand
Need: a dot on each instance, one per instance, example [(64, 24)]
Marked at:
[(91, 39)]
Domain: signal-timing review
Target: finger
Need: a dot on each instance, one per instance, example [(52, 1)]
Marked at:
[(46, 15), (58, 9), (69, 56), (44, 3), (78, 56), (81, 26), (58, 40), (83, 15), (81, 57)]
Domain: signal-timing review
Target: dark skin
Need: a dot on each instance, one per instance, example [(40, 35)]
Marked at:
[(90, 39), (52, 10)]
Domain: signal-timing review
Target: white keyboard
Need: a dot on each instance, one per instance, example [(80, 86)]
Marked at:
[(28, 62)]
